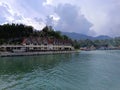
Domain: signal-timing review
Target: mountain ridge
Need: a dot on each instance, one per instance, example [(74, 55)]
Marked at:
[(79, 36)]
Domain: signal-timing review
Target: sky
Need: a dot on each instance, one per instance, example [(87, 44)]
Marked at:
[(90, 17)]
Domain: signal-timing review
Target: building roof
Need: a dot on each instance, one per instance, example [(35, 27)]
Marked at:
[(40, 40)]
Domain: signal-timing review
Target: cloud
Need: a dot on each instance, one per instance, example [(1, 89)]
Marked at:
[(4, 12), (71, 19), (16, 12), (111, 24), (48, 2), (93, 17)]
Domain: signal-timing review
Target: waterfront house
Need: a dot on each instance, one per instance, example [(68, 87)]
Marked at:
[(36, 44)]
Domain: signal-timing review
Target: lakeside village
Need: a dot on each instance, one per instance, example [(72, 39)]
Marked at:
[(101, 44), (27, 41), (37, 44), (100, 48), (19, 39)]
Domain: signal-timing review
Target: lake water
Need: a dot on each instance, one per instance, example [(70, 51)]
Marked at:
[(87, 70)]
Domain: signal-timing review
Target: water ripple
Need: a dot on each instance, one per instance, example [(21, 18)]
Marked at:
[(92, 70)]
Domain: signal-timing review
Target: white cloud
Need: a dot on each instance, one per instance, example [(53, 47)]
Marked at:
[(48, 2), (100, 13), (35, 12), (71, 20), (13, 12)]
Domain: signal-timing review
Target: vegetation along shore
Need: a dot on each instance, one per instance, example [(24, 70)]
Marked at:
[(19, 40)]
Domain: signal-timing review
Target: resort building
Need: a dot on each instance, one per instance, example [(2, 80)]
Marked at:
[(34, 44)]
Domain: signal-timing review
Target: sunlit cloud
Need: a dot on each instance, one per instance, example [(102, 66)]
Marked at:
[(93, 17)]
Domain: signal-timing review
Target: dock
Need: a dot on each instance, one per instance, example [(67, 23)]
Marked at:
[(10, 54)]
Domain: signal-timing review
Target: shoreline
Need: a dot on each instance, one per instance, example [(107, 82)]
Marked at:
[(10, 54)]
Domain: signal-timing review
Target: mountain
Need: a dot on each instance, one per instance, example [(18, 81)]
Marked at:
[(76, 36), (102, 37), (79, 36)]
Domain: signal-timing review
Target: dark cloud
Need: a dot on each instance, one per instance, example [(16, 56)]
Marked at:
[(71, 19)]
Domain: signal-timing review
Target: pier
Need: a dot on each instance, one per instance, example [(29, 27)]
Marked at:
[(10, 54)]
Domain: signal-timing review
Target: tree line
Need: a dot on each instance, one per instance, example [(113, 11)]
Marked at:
[(114, 42), (14, 33)]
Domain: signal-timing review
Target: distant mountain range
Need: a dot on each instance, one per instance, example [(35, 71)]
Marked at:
[(78, 36)]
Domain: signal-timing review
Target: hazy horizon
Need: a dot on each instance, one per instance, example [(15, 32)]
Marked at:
[(93, 17)]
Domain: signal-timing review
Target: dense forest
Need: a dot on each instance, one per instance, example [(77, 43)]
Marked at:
[(14, 33)]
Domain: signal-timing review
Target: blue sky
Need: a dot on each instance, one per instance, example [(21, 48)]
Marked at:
[(91, 17)]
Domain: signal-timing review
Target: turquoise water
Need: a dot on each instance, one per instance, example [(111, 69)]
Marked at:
[(87, 70)]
